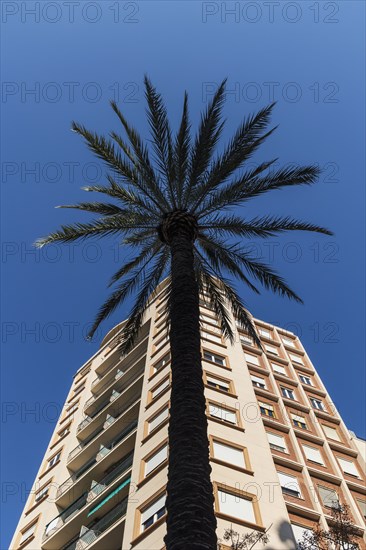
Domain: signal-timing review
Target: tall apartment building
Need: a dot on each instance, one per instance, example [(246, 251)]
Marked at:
[(281, 454)]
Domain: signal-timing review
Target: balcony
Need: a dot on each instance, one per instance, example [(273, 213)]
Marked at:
[(122, 364), (114, 404), (113, 356), (120, 380), (79, 481), (109, 486), (112, 424), (97, 533)]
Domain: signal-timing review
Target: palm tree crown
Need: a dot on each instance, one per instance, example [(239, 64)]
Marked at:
[(178, 180)]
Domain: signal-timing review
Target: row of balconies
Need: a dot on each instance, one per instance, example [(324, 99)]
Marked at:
[(80, 509), (96, 465), (94, 535), (114, 404)]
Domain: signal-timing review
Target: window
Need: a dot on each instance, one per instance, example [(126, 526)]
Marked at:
[(245, 339), (251, 359), (235, 506), (218, 359), (289, 485), (258, 382), (159, 388), (152, 513), (267, 409), (41, 493), (296, 358), (288, 341), (299, 532), (228, 453), (362, 506), (72, 408), (28, 533), (313, 454), (156, 459), (328, 496), (277, 442), (279, 369), (331, 432), (224, 414), (286, 392), (348, 466), (208, 319), (305, 380), (317, 404), (158, 419), (218, 383), (264, 332), (213, 337), (160, 364), (64, 432), (298, 421), (271, 349), (52, 461)]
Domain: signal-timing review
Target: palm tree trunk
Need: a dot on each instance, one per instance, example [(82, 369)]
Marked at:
[(191, 522)]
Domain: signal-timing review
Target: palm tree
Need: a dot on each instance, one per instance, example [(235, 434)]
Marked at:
[(173, 202)]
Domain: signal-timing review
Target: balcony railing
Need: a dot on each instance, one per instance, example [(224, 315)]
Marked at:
[(114, 395), (109, 420), (95, 490), (71, 480), (96, 528)]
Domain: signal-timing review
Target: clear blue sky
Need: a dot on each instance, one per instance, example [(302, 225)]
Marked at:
[(306, 55)]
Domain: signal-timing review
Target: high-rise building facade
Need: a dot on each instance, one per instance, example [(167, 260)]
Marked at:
[(281, 454)]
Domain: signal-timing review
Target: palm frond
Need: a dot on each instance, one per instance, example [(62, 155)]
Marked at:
[(266, 226), (246, 188), (161, 134), (106, 209), (142, 157), (97, 228), (260, 271), (225, 196), (181, 151), (207, 137), (217, 301), (239, 310), (145, 296), (120, 294), (151, 247), (137, 237), (220, 258), (243, 145)]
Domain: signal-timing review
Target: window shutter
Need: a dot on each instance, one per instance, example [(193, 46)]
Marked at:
[(348, 467), (277, 440), (257, 379), (289, 482), (158, 419), (299, 532), (331, 432), (215, 381), (329, 496), (279, 369), (222, 413), (266, 406), (228, 454), (156, 459), (151, 510), (251, 359), (236, 506), (313, 454), (296, 358), (160, 388)]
